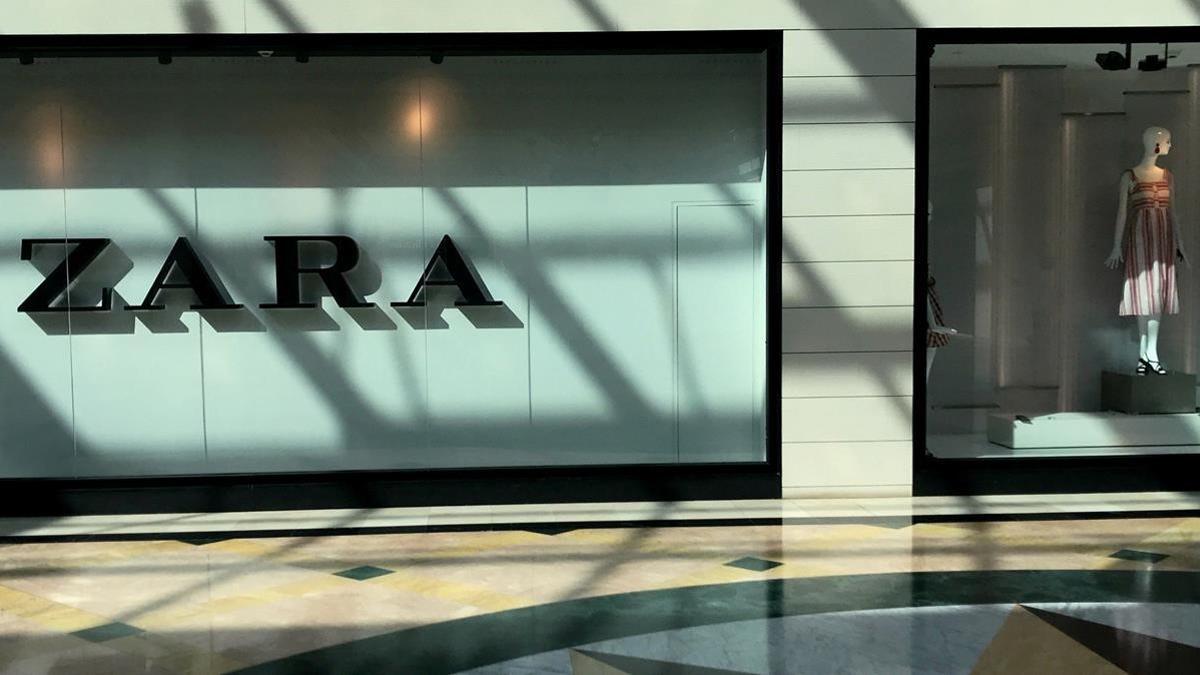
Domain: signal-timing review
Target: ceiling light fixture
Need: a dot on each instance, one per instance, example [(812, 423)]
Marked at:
[(1115, 60), (1154, 61)]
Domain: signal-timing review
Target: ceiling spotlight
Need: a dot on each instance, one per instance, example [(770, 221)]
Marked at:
[(437, 57), (164, 59), (1115, 60), (25, 59), (1154, 61)]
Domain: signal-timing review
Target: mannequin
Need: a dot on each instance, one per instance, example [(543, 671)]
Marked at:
[(1146, 198)]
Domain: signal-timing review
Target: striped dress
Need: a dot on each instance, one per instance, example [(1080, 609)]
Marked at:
[(1149, 249)]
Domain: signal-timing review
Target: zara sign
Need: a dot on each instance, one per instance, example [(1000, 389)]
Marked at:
[(185, 269)]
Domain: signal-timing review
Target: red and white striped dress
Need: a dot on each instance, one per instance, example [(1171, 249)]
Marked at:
[(1149, 249)]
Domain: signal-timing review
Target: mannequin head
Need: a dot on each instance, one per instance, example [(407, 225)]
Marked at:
[(1156, 141)]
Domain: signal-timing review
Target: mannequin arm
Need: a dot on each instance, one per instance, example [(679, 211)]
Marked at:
[(1179, 250), (1117, 254)]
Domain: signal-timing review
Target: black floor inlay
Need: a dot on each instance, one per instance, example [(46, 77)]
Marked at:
[(106, 632), (1139, 556), (201, 540), (753, 564), (550, 530), (1135, 653), (363, 573)]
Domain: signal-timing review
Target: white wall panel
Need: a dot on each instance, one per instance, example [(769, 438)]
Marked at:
[(842, 238), (852, 192), (824, 100), (122, 16), (847, 284), (137, 16), (531, 15), (807, 420), (826, 53), (35, 350), (883, 145), (846, 375), (141, 368), (847, 329), (854, 464)]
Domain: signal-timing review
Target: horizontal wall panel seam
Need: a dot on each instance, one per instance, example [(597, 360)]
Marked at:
[(859, 351), (848, 215), (847, 122), (823, 261), (852, 215), (845, 168), (847, 306), (849, 396), (884, 440), (854, 77)]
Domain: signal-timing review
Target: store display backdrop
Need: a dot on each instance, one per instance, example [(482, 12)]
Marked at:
[(615, 205)]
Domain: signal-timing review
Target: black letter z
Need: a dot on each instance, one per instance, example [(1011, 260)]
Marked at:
[(61, 278)]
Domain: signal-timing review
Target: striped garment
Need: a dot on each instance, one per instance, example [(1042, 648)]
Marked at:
[(1149, 249), (933, 339)]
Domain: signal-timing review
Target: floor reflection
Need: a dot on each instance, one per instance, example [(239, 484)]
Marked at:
[(1093, 595)]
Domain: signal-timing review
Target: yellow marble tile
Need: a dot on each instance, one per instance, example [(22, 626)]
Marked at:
[(467, 594), (1026, 644), (46, 612), (252, 548)]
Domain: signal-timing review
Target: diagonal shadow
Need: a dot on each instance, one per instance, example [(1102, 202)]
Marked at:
[(599, 18), (882, 13), (820, 289), (320, 369), (284, 15), (198, 17), (621, 393)]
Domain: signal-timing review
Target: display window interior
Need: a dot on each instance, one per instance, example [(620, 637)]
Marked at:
[(1062, 240)]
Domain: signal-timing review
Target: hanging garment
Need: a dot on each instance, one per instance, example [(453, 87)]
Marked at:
[(1149, 249), (932, 339)]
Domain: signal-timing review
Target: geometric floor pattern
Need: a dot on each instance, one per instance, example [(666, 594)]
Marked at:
[(680, 599)]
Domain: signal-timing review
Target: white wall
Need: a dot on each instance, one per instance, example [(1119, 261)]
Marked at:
[(848, 110)]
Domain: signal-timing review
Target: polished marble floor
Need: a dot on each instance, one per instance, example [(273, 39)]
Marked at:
[(855, 593)]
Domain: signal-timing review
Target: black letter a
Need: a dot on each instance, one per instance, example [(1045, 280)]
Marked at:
[(195, 276), (454, 270)]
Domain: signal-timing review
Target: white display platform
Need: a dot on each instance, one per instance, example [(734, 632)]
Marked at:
[(976, 446), (1093, 430)]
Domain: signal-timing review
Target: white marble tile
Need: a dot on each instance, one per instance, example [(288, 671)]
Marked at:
[(927, 640)]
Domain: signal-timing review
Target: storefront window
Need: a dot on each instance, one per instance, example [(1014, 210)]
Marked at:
[(611, 209), (1061, 236)]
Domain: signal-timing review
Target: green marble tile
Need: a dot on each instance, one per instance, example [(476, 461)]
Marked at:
[(1139, 556), (753, 564), (362, 573), (108, 631)]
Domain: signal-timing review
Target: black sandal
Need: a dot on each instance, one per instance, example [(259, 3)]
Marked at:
[(1156, 368), (1143, 367)]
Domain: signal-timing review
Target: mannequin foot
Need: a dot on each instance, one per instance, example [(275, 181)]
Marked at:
[(1156, 368)]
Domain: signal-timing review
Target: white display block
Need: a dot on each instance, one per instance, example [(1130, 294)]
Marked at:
[(1093, 429)]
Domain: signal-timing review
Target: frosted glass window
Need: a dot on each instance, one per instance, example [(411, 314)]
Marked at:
[(614, 204)]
